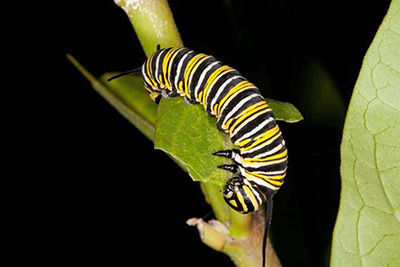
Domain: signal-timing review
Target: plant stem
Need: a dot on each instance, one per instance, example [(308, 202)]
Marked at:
[(153, 23)]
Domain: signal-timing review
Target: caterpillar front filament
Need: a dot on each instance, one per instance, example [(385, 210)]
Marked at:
[(259, 162)]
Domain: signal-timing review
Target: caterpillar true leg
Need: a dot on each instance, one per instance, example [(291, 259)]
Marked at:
[(227, 153), (166, 94), (230, 167), (189, 101)]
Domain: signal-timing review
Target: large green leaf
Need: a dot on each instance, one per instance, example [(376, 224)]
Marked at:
[(367, 231), (189, 135)]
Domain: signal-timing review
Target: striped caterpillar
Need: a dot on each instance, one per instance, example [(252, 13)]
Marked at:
[(260, 160)]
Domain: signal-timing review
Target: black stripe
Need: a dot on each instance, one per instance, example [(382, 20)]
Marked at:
[(181, 78), (222, 79), (247, 201), (174, 67), (196, 75), (160, 64), (153, 68), (253, 124), (263, 149), (208, 74), (235, 101), (270, 168)]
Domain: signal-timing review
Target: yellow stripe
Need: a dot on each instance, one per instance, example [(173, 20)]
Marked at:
[(149, 75), (266, 178), (172, 58), (210, 80), (277, 156), (192, 62), (279, 177), (277, 183), (180, 85), (226, 126), (262, 137), (246, 116), (251, 108), (250, 163), (167, 59), (241, 200), (233, 203), (251, 196), (244, 142), (148, 89), (243, 85)]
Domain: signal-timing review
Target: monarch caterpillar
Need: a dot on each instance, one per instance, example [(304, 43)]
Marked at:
[(260, 160)]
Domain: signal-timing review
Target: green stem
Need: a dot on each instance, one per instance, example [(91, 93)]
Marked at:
[(215, 199), (153, 23)]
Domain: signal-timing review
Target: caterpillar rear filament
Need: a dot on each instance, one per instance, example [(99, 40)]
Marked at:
[(260, 160)]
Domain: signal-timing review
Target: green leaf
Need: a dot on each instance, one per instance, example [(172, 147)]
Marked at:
[(128, 96), (284, 111), (130, 90), (367, 231), (189, 135)]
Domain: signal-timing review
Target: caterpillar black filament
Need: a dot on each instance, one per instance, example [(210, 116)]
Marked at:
[(260, 160)]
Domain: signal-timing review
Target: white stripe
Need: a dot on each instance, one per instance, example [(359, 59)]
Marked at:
[(255, 192), (202, 76), (237, 107), (220, 90), (256, 129), (178, 71), (171, 61), (263, 164), (195, 68), (233, 96), (268, 153), (261, 182), (145, 75), (263, 145), (215, 80), (248, 120), (272, 173), (157, 72)]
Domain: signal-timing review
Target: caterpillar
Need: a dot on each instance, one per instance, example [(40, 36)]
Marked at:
[(260, 159)]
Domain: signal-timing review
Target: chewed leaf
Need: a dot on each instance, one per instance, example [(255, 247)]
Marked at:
[(284, 111), (188, 134), (367, 231)]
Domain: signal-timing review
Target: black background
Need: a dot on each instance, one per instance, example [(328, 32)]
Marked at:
[(109, 198)]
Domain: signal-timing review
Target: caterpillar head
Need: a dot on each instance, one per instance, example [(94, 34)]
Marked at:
[(242, 196)]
